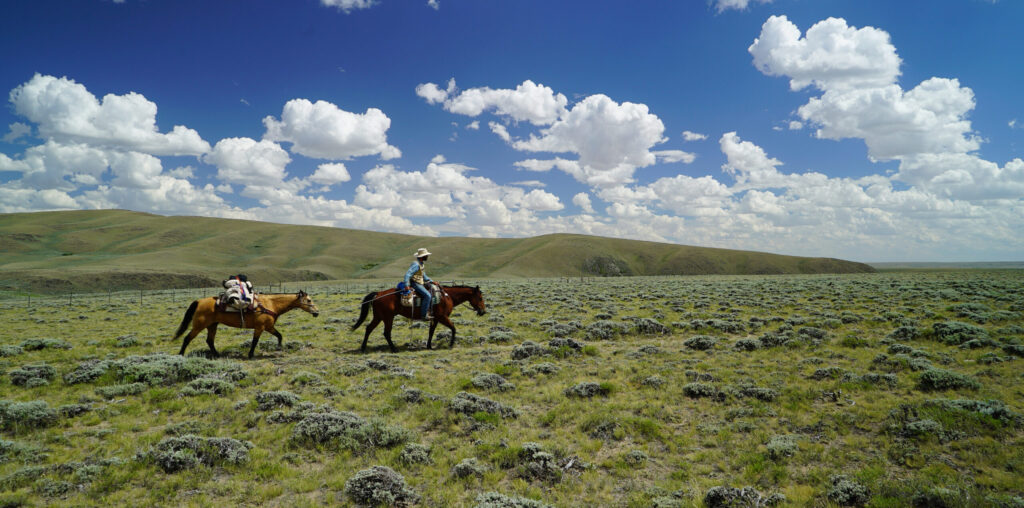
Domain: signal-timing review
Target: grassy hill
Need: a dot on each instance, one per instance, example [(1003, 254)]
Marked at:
[(115, 249)]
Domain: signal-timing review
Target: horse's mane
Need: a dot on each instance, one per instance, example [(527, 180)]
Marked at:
[(461, 286)]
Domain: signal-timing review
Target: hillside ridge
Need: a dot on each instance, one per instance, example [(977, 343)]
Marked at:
[(117, 249)]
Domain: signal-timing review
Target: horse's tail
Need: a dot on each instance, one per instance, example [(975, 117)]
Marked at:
[(364, 309), (185, 321)]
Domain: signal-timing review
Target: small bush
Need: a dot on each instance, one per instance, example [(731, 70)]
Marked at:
[(698, 390), (175, 454), (648, 326), (380, 486), (467, 404), (38, 344), (496, 500), (266, 401), (207, 386), (87, 372), (956, 332), (528, 349), (469, 467), (604, 330), (846, 492), (587, 390), (700, 342), (9, 350), (768, 340), (493, 382), (747, 344), (732, 497), (654, 381), (415, 453), (33, 375), (780, 447), (939, 379), (20, 415), (762, 394), (109, 392)]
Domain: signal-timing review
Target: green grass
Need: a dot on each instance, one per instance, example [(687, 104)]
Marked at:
[(630, 445)]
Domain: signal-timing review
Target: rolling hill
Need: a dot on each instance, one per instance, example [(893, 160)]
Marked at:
[(97, 250)]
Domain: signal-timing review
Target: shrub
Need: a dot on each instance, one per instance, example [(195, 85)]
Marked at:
[(938, 497), (732, 497), (700, 342), (747, 344), (33, 375), (540, 368), (469, 467), (324, 427), (604, 330), (939, 379), (175, 454), (87, 372), (11, 451), (73, 410), (380, 485), (496, 500), (33, 414), (207, 386), (780, 447), (654, 381), (467, 404), (109, 392), (269, 400), (492, 382), (415, 453), (38, 344), (587, 390), (528, 349), (774, 339), (762, 394), (563, 343), (126, 341), (635, 458), (698, 390), (9, 350), (1014, 349), (306, 378), (828, 373), (648, 326), (956, 332), (846, 492), (815, 334)]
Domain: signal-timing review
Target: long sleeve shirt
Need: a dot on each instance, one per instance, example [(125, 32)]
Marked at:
[(415, 272)]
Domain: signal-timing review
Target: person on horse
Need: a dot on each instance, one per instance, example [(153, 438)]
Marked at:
[(416, 279)]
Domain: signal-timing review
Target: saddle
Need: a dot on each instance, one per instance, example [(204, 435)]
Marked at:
[(409, 298)]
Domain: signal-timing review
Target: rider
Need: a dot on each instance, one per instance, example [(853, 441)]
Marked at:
[(415, 278)]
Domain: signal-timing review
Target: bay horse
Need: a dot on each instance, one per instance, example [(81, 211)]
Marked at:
[(386, 305), (204, 315)]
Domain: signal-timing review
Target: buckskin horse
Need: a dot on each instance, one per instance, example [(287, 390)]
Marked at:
[(386, 305), (204, 315)]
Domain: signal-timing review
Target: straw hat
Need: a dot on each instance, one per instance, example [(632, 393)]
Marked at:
[(421, 252)]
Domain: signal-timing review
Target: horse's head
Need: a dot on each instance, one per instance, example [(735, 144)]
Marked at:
[(304, 302), (476, 299)]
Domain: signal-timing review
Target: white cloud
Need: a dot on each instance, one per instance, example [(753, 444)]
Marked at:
[(17, 130), (134, 170), (582, 200), (474, 125), (67, 112), (795, 126), (330, 174), (246, 161), (694, 136), (674, 156), (434, 4), (348, 6), (724, 5), (500, 130), (324, 131), (183, 172), (529, 102), (831, 56)]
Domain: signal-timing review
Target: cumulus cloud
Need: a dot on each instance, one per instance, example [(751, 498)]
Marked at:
[(348, 6), (694, 136), (324, 131), (529, 102), (830, 56), (67, 112), (674, 156), (582, 200), (246, 161), (500, 130), (17, 130), (330, 174), (434, 4), (724, 5)]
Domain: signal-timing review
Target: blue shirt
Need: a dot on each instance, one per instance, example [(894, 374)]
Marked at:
[(412, 271)]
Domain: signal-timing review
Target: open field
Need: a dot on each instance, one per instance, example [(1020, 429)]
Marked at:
[(886, 389), (100, 250)]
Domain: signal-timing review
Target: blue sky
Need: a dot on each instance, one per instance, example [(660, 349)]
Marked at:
[(876, 131)]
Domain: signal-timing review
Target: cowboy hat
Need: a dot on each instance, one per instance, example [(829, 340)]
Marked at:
[(422, 252)]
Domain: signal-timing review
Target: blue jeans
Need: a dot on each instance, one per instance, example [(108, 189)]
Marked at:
[(425, 295)]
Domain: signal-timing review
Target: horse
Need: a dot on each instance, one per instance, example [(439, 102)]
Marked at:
[(204, 315), (386, 305)]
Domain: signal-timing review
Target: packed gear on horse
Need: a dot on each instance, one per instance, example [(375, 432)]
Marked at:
[(416, 278), (413, 300), (238, 293)]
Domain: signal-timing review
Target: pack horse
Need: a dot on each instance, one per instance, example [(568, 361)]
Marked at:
[(204, 314)]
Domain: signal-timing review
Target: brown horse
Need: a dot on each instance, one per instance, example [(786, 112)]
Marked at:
[(386, 305), (203, 315)]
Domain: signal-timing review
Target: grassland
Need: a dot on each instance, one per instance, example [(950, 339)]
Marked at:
[(888, 389), (99, 250)]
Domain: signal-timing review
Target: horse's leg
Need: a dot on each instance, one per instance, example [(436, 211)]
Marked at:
[(256, 331), (448, 322), (211, 332), (198, 324), (369, 328), (430, 336), (277, 334), (387, 332)]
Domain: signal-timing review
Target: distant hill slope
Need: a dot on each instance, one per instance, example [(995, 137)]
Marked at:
[(116, 249)]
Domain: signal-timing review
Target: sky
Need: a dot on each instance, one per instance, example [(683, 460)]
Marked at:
[(857, 129)]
